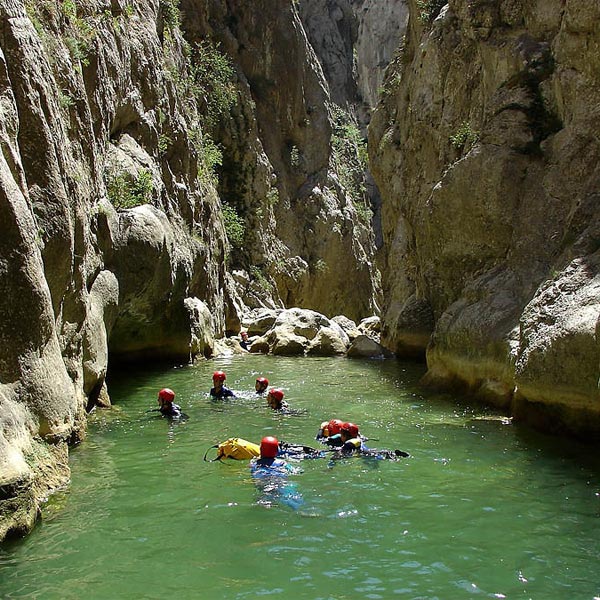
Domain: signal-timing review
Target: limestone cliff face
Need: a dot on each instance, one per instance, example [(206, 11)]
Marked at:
[(355, 40), (332, 29), (278, 147), (485, 147), (114, 242), (81, 86), (381, 28)]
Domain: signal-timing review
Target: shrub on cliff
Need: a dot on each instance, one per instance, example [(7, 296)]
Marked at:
[(126, 191), (429, 9)]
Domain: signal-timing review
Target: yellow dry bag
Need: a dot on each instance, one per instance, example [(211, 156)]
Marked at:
[(237, 448)]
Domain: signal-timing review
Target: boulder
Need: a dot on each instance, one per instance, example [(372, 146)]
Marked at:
[(371, 326), (202, 338), (102, 310), (348, 325), (327, 342), (260, 345), (365, 347), (286, 343), (299, 331), (258, 322)]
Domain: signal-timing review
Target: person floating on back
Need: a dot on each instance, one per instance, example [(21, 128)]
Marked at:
[(167, 407), (219, 390), (261, 385)]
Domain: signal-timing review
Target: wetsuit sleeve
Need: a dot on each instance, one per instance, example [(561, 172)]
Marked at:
[(334, 440)]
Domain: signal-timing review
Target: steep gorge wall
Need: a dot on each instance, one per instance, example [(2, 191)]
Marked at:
[(485, 146), (77, 87), (101, 106), (279, 146)]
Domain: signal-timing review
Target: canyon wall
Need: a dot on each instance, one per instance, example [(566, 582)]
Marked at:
[(485, 146), (165, 167)]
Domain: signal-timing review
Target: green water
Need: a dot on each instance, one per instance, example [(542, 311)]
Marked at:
[(482, 509)]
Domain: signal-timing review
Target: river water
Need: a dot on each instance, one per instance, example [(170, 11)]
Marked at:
[(481, 509)]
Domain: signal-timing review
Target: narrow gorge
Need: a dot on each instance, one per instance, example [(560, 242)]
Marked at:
[(170, 166)]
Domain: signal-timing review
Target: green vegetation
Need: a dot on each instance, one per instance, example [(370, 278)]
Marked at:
[(320, 266), (171, 14), (78, 49), (69, 9), (350, 159), (430, 9), (234, 226), (79, 32), (212, 82), (210, 156), (125, 191), (64, 99), (295, 157), (164, 141), (33, 9), (205, 81), (272, 197), (464, 137), (257, 274)]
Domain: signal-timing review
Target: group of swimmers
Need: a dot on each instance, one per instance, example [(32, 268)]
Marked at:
[(343, 438), (169, 409), (274, 395)]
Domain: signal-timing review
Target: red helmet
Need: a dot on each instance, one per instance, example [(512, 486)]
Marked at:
[(335, 426), (277, 394), (269, 447), (263, 381), (219, 376), (166, 394), (351, 429)]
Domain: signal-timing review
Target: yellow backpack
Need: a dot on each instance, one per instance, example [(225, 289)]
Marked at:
[(237, 448)]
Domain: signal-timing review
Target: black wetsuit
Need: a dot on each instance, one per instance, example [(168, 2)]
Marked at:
[(335, 441), (222, 393), (172, 411)]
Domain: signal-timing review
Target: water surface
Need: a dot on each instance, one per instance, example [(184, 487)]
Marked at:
[(482, 509)]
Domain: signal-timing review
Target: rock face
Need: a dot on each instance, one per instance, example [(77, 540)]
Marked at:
[(486, 151), (115, 239), (355, 40), (277, 147), (381, 28)]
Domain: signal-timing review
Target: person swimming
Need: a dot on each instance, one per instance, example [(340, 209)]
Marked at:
[(329, 432), (270, 475), (261, 385), (244, 342), (275, 400), (167, 407), (353, 443), (219, 390)]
